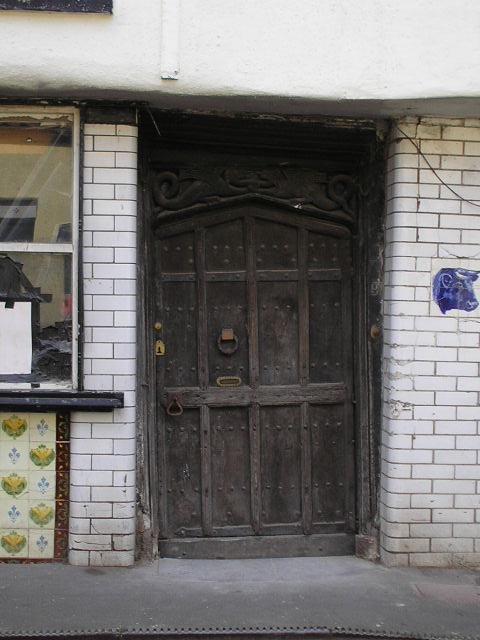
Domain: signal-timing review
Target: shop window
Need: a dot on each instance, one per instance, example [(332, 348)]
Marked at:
[(70, 6), (38, 253)]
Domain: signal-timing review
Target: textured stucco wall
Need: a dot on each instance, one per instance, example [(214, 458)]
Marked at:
[(329, 50)]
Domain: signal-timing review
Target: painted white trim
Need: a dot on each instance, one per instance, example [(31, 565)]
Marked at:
[(75, 241), (37, 247)]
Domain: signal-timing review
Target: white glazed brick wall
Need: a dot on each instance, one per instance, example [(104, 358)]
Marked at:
[(430, 493), (102, 486)]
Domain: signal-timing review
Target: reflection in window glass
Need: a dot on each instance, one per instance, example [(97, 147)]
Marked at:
[(35, 182), (45, 296), (36, 202), (17, 219)]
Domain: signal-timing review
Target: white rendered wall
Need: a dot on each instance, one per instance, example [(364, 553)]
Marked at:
[(430, 499), (328, 50), (102, 477)]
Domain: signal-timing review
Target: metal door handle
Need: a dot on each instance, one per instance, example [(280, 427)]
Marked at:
[(174, 407), (229, 381)]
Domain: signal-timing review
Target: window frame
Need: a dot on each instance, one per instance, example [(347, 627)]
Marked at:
[(64, 6), (72, 249)]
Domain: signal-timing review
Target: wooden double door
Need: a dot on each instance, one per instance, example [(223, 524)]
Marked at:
[(253, 327)]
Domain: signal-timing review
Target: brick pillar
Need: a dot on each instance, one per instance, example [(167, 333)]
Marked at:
[(102, 513), (430, 498)]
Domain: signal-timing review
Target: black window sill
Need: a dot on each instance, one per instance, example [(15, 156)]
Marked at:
[(65, 6), (45, 400)]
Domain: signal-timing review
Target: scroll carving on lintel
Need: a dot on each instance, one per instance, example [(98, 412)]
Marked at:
[(304, 189)]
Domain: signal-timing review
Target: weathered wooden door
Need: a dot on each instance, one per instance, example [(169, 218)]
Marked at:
[(253, 322)]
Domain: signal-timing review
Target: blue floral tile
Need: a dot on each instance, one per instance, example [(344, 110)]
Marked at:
[(13, 513), (42, 485), (14, 455), (42, 427), (41, 544)]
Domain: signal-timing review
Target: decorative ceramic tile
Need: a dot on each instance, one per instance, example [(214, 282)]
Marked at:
[(13, 484), (63, 485), (61, 515), (13, 513), (42, 456), (42, 427), (14, 427), (41, 514), (34, 486), (14, 455), (61, 544), (42, 485), (14, 543), (63, 456), (41, 544), (63, 427)]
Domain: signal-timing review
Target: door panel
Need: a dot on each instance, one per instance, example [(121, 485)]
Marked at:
[(278, 335), (330, 488), (183, 477), (231, 469), (276, 245), (326, 337), (255, 308), (176, 254), (225, 247), (227, 309), (180, 319), (281, 468), (325, 252)]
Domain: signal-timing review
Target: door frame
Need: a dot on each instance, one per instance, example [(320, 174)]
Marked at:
[(330, 144)]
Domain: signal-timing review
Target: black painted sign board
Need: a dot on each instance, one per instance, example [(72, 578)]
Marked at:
[(70, 6)]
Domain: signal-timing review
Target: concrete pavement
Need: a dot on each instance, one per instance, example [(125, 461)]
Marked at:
[(214, 595)]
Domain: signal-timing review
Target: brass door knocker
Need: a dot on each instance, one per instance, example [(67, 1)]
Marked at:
[(227, 342)]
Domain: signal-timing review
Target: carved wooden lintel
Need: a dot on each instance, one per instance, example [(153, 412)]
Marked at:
[(313, 191)]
